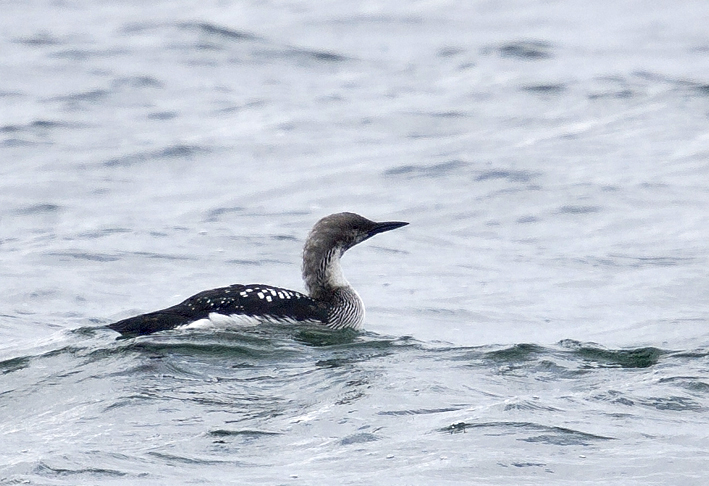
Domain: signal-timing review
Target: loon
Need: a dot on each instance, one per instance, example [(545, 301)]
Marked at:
[(330, 301)]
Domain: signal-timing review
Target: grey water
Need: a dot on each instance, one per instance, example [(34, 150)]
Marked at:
[(544, 319)]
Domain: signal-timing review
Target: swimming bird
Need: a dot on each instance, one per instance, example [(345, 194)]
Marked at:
[(331, 301)]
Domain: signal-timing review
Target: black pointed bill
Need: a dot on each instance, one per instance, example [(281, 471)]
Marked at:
[(387, 226)]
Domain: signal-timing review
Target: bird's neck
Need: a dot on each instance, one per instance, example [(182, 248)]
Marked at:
[(322, 272)]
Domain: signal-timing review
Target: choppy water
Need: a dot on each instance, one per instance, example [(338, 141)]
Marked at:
[(544, 318)]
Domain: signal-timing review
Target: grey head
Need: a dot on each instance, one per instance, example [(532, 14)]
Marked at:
[(329, 239)]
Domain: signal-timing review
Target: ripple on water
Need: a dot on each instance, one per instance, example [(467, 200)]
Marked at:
[(14, 364), (43, 469), (179, 151), (221, 395), (427, 171), (526, 50), (550, 434), (697, 384), (596, 356)]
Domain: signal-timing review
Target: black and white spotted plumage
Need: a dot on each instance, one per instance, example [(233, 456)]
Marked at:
[(254, 302), (331, 301)]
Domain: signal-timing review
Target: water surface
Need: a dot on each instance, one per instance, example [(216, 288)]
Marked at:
[(543, 319)]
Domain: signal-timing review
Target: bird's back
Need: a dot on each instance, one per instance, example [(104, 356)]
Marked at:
[(262, 303)]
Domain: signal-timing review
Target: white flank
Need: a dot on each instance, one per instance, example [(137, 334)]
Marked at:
[(239, 321), (223, 321)]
